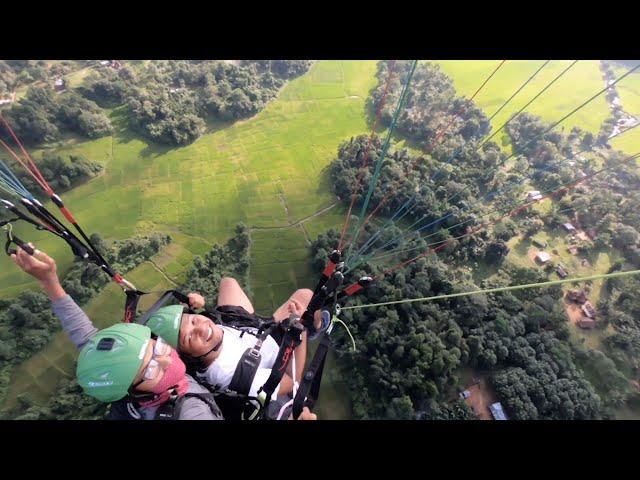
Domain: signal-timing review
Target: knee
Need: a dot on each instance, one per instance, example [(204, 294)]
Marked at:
[(228, 281), (303, 295)]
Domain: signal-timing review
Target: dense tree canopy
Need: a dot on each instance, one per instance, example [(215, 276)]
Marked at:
[(43, 115)]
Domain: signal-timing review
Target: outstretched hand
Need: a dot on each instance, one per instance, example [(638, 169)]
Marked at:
[(41, 267)]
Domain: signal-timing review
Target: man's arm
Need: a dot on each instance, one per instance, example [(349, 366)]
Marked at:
[(43, 268)]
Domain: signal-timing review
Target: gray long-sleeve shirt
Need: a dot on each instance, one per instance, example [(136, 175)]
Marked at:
[(80, 329)]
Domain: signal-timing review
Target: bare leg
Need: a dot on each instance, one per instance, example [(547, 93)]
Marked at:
[(297, 304), (230, 293)]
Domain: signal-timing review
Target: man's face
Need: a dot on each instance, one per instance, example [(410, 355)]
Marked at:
[(198, 335)]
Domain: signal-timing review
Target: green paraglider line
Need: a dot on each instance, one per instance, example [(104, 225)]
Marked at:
[(500, 289)]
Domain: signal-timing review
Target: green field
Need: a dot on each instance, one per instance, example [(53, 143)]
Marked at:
[(581, 82), (629, 91)]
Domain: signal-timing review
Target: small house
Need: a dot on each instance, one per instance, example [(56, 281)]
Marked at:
[(465, 394), (105, 63), (588, 310), (497, 411), (543, 257), (569, 227), (562, 273), (534, 196), (578, 296), (59, 84), (586, 323), (5, 100), (573, 249)]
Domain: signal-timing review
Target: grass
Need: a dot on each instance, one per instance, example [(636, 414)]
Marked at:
[(522, 250), (629, 91), (581, 82), (268, 171)]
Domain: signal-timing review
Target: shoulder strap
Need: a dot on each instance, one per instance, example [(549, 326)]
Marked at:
[(123, 410), (248, 365)]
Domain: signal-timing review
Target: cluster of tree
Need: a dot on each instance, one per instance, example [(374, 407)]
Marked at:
[(42, 116), (68, 402), (26, 321), (441, 197), (85, 280), (229, 260), (17, 73), (168, 101), (622, 311), (61, 173), (409, 354), (432, 108)]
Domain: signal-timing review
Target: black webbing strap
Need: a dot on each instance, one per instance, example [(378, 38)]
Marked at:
[(131, 304), (291, 340), (163, 300), (321, 299), (309, 389), (248, 365)]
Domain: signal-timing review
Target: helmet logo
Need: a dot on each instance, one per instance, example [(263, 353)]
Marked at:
[(100, 384)]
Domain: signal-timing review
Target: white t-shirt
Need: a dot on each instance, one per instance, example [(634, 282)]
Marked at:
[(220, 372)]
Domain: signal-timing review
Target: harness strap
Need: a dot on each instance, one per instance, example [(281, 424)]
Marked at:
[(248, 365), (309, 389), (291, 340)]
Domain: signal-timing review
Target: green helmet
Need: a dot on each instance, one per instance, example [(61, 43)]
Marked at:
[(165, 323), (111, 359)]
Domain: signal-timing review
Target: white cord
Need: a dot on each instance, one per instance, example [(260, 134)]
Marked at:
[(295, 388)]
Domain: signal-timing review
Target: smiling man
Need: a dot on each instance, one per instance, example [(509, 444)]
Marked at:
[(217, 349)]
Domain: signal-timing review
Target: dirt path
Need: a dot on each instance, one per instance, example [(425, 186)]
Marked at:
[(166, 277), (480, 399), (295, 224)]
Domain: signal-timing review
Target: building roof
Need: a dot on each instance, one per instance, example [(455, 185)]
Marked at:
[(543, 256), (497, 411), (579, 296), (568, 226)]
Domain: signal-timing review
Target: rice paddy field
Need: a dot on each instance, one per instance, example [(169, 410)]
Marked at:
[(269, 172), (582, 81)]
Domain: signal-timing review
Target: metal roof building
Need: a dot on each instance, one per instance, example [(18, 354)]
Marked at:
[(497, 411)]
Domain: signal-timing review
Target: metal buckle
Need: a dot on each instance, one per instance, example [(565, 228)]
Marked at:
[(254, 353)]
